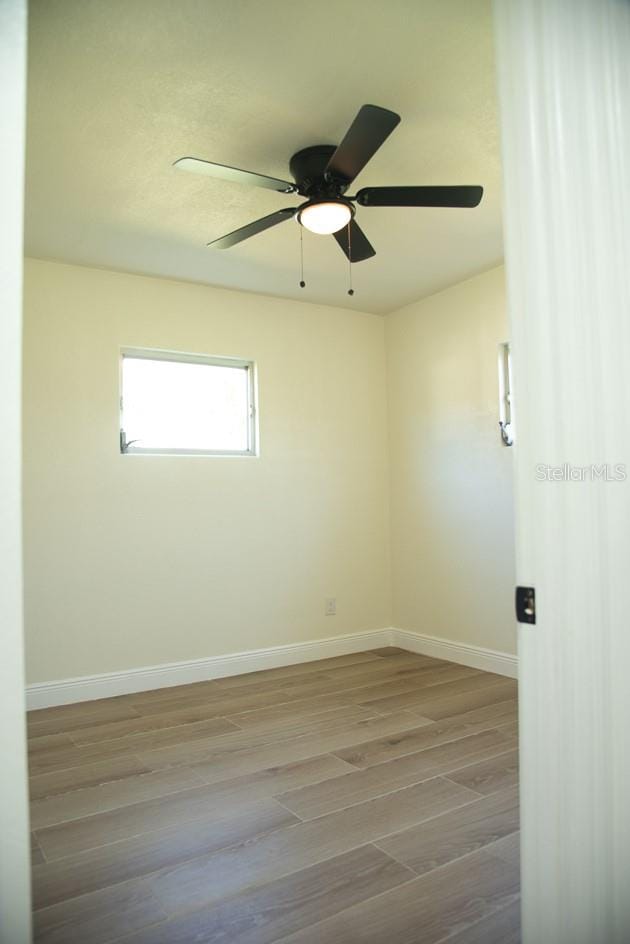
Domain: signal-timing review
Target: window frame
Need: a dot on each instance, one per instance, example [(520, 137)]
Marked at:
[(210, 360)]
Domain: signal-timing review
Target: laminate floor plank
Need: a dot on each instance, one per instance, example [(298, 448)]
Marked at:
[(44, 742), (98, 917), (182, 806), (324, 691), (64, 718), (86, 775), (380, 749), (508, 848), (360, 691), (37, 856), (402, 662), (439, 708), (140, 855), (122, 793), (238, 740), (424, 911), (165, 737), (310, 704), (310, 720), (501, 927), (270, 781), (262, 914), (332, 688), (253, 680), (210, 878), (143, 724), (388, 667), (489, 776), (224, 703), (214, 689), (304, 668), (411, 688), (360, 785), (343, 681), (304, 711), (109, 796), (120, 708), (60, 758), (310, 709), (214, 762), (455, 834), (416, 699), (277, 719), (367, 798), (332, 720)]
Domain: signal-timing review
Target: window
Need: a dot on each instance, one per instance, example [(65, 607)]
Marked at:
[(186, 404)]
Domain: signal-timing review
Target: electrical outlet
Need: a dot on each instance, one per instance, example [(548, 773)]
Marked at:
[(331, 606)]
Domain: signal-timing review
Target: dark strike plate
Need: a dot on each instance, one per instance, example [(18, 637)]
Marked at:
[(526, 604)]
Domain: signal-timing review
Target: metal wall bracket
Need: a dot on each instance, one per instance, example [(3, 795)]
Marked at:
[(506, 433)]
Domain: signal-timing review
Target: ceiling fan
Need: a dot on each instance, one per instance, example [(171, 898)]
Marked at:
[(322, 174)]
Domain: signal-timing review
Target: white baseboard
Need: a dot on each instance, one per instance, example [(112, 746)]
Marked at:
[(490, 660), (89, 687)]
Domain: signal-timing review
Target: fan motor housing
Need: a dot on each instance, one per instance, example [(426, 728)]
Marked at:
[(307, 168)]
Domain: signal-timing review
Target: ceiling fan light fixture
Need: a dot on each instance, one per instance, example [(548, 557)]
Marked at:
[(325, 217), (322, 173)]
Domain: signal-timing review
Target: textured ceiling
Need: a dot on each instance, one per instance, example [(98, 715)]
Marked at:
[(119, 89)]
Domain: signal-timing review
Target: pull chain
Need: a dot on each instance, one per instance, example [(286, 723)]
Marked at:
[(302, 282), (350, 290)]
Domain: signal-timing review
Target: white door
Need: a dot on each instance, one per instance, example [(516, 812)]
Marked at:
[(564, 85)]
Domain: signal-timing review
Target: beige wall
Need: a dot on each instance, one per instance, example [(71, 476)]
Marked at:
[(451, 479), (136, 560)]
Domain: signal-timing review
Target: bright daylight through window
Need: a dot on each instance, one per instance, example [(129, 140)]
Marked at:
[(186, 404)]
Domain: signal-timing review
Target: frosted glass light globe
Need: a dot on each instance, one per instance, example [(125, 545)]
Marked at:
[(325, 218)]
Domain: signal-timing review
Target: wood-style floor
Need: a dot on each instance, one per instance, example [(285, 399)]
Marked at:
[(367, 799)]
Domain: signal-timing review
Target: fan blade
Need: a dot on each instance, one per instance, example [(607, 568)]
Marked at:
[(258, 226), (233, 174), (364, 137), (358, 247), (420, 196)]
